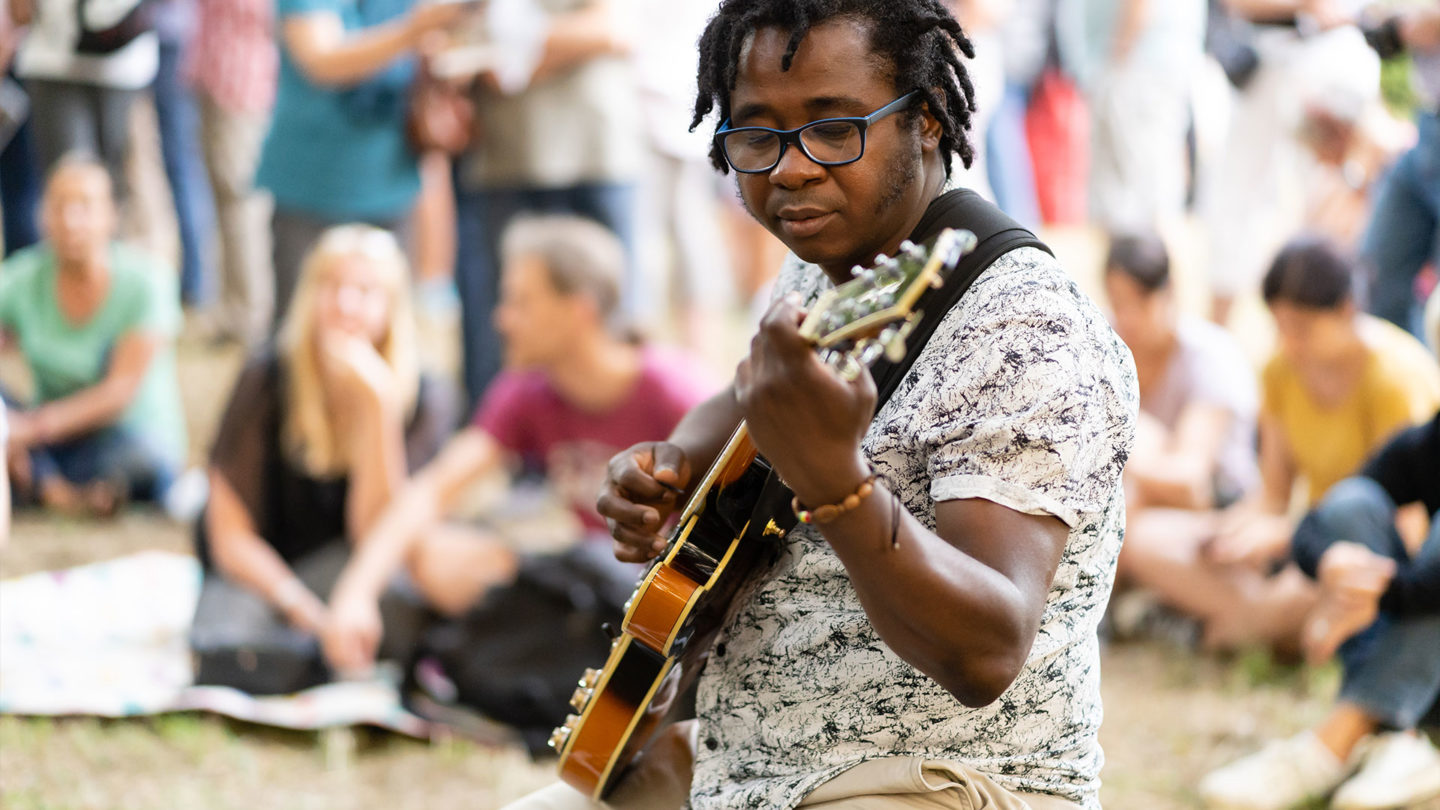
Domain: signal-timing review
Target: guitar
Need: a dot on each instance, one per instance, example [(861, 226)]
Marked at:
[(730, 530)]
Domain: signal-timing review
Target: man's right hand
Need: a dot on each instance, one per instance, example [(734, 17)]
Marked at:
[(643, 486)]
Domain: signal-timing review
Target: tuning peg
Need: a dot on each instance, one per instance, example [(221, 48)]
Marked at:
[(580, 698), (856, 271), (561, 734), (590, 678), (894, 339), (869, 351)]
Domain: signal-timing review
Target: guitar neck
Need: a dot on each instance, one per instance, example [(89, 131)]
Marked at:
[(732, 463)]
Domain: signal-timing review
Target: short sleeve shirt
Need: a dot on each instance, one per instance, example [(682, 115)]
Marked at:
[(66, 358), (1209, 368), (571, 446), (340, 153), (1399, 387), (1024, 396), (578, 126)]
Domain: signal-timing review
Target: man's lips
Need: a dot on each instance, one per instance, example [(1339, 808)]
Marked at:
[(802, 222)]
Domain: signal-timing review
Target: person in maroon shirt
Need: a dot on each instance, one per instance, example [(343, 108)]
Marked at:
[(577, 388)]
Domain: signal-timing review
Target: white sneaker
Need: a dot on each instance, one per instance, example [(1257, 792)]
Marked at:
[(1399, 769), (186, 497), (1280, 775)]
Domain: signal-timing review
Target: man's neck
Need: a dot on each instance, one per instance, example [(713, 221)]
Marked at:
[(598, 375)]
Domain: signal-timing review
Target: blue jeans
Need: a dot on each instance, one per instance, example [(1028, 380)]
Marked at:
[(130, 459), (1392, 667), (19, 191), (179, 125), (481, 218), (1012, 175), (1403, 234)]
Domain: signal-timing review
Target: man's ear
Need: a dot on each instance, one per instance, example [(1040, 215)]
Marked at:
[(930, 129)]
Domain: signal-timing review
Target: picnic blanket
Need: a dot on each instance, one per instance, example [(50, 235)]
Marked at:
[(109, 639)]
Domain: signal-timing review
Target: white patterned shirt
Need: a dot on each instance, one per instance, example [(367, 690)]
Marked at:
[(1024, 396)]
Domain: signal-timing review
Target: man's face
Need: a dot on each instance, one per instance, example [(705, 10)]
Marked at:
[(537, 323), (78, 215), (834, 216)]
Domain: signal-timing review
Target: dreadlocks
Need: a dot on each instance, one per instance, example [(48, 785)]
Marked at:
[(920, 39)]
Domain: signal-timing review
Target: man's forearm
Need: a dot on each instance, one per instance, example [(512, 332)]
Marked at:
[(578, 37), (965, 624)]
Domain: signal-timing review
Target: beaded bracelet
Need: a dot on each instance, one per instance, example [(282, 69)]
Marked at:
[(830, 511)]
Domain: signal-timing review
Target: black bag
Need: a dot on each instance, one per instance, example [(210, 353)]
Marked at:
[(515, 656), (100, 41)]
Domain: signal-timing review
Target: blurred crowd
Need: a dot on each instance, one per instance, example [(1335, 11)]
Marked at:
[(342, 171)]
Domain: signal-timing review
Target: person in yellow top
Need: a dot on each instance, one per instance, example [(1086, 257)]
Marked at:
[(1340, 384), (1348, 382)]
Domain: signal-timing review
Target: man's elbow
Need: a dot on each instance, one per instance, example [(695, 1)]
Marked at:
[(982, 680)]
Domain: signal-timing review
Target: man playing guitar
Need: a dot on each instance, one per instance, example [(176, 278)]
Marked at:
[(931, 641)]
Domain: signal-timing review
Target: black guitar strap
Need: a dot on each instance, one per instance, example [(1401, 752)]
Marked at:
[(996, 234)]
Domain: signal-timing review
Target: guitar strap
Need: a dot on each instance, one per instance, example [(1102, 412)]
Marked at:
[(996, 234)]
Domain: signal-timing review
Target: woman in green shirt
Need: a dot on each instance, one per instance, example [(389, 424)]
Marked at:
[(95, 321)]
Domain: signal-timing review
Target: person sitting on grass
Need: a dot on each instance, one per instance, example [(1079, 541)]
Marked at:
[(1380, 607), (1195, 439), (96, 322), (1339, 385), (319, 434), (577, 388)]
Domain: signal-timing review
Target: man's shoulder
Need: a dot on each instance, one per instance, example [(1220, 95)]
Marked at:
[(1027, 291)]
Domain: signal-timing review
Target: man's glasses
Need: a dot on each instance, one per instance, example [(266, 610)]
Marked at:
[(829, 141)]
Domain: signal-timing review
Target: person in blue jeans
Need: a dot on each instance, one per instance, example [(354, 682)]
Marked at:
[(1380, 608), (1404, 229), (563, 138), (95, 321)]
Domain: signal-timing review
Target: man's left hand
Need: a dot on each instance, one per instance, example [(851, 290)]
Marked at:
[(804, 417)]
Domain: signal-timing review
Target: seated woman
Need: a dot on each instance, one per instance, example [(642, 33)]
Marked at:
[(1339, 385), (1195, 439), (96, 323), (319, 433)]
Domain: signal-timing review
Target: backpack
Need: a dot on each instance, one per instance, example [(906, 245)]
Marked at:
[(514, 657)]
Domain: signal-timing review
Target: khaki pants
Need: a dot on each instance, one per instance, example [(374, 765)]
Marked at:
[(661, 781), (232, 144)]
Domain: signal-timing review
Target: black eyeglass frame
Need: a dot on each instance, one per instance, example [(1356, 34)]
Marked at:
[(789, 136)]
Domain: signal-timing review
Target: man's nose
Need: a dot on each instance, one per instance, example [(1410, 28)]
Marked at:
[(795, 168)]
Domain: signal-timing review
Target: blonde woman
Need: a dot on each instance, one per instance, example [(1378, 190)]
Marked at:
[(320, 431)]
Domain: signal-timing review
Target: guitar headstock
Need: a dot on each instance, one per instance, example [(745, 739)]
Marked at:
[(875, 312)]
